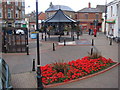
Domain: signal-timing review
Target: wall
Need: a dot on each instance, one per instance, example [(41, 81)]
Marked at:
[(86, 22), (112, 13)]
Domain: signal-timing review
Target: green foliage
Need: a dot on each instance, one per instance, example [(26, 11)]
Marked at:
[(60, 66)]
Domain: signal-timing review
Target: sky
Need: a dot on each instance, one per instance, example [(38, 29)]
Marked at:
[(76, 5)]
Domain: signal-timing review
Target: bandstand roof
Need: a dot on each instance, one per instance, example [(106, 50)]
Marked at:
[(59, 16)]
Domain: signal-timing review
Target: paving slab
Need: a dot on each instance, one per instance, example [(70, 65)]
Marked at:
[(24, 80)]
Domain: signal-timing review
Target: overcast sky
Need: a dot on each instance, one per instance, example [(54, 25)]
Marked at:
[(74, 4)]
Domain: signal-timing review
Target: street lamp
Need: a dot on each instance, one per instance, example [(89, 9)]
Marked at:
[(39, 77), (105, 17)]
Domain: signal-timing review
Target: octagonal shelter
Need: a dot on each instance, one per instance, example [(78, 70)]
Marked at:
[(58, 23)]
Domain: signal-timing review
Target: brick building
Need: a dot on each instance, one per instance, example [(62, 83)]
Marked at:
[(31, 20), (12, 13), (86, 16)]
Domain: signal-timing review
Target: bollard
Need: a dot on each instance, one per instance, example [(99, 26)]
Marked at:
[(49, 36), (73, 38), (27, 49), (77, 37), (64, 42), (42, 36), (45, 38), (110, 41), (33, 69), (59, 39), (53, 46), (92, 42), (5, 48), (91, 51)]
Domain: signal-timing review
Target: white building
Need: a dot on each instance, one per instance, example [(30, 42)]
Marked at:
[(119, 19), (113, 19)]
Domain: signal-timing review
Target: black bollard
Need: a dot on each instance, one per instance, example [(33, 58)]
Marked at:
[(110, 41), (49, 36), (42, 36), (27, 49), (59, 39), (64, 42), (5, 48), (33, 69), (92, 42), (73, 38), (45, 38), (77, 37), (67, 33), (91, 51), (53, 46)]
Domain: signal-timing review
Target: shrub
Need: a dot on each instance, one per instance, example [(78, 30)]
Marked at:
[(60, 66)]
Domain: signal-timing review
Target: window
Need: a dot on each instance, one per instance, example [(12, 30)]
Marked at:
[(0, 1), (9, 13), (23, 14), (16, 3), (76, 17), (97, 16), (9, 24), (23, 3), (111, 11), (17, 24), (8, 1), (86, 16), (117, 11), (0, 12), (17, 14)]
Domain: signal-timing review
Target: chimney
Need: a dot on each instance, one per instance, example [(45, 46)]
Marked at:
[(89, 5)]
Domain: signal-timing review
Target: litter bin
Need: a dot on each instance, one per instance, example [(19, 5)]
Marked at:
[(33, 35)]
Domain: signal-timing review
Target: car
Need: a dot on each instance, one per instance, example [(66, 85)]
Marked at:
[(5, 76), (19, 31)]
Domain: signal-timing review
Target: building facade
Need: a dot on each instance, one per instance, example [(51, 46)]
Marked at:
[(12, 13), (113, 19), (31, 20), (90, 18)]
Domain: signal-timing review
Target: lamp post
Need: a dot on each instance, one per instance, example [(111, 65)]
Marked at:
[(39, 77), (105, 17)]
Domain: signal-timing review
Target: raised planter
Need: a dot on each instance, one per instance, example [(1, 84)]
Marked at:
[(85, 77)]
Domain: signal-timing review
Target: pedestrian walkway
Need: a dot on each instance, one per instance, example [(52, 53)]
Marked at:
[(108, 79), (102, 44), (21, 65), (24, 80)]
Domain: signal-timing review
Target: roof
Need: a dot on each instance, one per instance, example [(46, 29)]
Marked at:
[(57, 7), (101, 7), (90, 10), (113, 2), (41, 16), (59, 16)]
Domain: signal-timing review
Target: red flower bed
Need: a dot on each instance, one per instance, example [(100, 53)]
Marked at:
[(75, 69)]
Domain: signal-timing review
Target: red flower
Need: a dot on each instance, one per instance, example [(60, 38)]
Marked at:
[(77, 68)]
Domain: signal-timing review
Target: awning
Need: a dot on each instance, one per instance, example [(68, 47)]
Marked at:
[(110, 21), (84, 24)]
